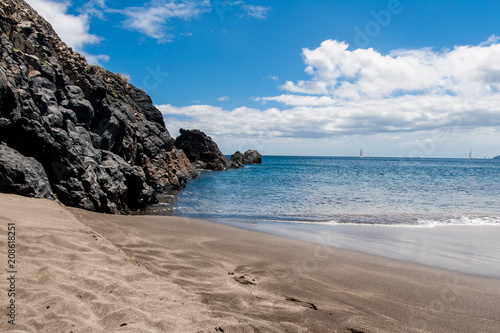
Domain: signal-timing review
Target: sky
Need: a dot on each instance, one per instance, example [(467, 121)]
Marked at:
[(398, 78)]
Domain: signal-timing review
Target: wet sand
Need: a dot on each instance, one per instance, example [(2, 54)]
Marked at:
[(86, 272), (471, 249)]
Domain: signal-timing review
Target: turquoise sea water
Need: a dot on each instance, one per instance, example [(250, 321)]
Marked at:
[(346, 190), (437, 212)]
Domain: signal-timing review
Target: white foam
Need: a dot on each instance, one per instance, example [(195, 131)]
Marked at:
[(463, 220)]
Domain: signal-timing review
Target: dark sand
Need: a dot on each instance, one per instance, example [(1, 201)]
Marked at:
[(469, 249), (87, 272)]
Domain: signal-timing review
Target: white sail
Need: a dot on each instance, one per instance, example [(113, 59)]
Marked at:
[(361, 153), (470, 155)]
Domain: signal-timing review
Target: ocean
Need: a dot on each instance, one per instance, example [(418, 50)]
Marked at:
[(346, 190), (436, 212)]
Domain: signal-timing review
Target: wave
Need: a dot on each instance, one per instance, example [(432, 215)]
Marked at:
[(396, 220)]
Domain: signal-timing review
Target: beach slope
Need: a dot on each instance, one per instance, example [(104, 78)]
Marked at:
[(87, 272)]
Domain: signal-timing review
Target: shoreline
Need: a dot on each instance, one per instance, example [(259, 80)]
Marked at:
[(86, 272), (470, 249)]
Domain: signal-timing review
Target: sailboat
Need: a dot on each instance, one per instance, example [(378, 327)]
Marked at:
[(470, 155), (361, 153)]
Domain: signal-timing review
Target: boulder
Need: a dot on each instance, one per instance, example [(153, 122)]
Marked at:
[(23, 175), (201, 150), (252, 157)]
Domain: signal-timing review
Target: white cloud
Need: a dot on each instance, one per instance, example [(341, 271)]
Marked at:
[(153, 18), (298, 100), (272, 77), (73, 30), (95, 8), (239, 8), (239, 122), (365, 93), (223, 98), (258, 12), (401, 114), (492, 40), (95, 59), (366, 74)]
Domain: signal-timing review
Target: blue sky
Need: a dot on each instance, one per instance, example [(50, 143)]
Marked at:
[(396, 78)]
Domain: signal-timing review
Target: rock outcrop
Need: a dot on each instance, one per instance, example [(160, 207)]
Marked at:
[(249, 157), (22, 175), (237, 160), (201, 150), (101, 143), (252, 157)]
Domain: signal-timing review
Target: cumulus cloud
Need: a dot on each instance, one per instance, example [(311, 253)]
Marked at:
[(363, 92), (299, 100), (367, 74), (402, 114), (218, 121), (73, 30)]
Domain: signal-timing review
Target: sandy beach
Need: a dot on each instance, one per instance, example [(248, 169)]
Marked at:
[(78, 271)]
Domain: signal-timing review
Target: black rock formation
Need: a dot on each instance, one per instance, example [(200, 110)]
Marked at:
[(249, 157), (101, 143), (201, 150), (22, 175), (237, 160), (252, 157)]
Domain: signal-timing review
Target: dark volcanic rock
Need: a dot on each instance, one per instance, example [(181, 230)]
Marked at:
[(237, 160), (201, 150), (252, 157), (100, 141), (22, 175)]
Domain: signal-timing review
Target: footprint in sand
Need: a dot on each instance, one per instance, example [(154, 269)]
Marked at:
[(302, 303), (242, 279), (352, 330)]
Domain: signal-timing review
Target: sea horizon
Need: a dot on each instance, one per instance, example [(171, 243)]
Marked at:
[(392, 179), (369, 156)]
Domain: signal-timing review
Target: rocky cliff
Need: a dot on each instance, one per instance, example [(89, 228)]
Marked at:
[(97, 140)]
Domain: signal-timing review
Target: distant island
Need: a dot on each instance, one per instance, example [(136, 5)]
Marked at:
[(496, 157)]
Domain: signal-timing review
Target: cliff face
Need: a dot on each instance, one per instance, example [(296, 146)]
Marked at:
[(102, 144)]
